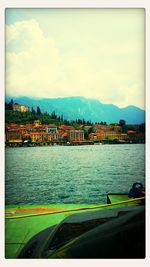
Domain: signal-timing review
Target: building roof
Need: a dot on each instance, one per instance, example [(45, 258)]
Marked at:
[(66, 127), (51, 126)]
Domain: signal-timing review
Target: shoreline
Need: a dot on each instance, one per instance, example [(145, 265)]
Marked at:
[(10, 145)]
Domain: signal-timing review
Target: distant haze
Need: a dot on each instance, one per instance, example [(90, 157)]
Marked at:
[(97, 53)]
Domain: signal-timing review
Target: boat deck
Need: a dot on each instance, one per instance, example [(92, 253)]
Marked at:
[(23, 222)]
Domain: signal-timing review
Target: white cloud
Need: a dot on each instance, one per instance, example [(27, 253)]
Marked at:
[(42, 65), (35, 65)]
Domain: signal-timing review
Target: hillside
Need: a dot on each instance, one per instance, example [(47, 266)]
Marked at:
[(73, 108)]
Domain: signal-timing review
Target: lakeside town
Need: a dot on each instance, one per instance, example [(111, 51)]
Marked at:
[(53, 129)]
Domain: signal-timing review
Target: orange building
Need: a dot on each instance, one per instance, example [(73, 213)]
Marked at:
[(100, 135), (38, 136), (13, 135), (66, 128)]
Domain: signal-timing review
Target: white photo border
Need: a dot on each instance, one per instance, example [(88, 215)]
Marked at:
[(73, 4)]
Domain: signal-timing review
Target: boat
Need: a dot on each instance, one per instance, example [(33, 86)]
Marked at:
[(112, 230)]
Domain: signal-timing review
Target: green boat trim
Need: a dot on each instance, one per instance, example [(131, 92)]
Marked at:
[(115, 197), (15, 213), (27, 220)]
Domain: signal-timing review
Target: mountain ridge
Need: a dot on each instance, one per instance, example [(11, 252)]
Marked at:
[(79, 107)]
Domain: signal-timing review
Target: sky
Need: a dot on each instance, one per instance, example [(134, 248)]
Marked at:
[(95, 53)]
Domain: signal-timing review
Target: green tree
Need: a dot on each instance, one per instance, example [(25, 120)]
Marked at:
[(33, 111), (38, 111), (122, 123)]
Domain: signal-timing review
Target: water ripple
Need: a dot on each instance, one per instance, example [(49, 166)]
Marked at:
[(83, 174)]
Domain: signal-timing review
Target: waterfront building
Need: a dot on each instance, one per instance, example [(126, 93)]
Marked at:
[(76, 135), (22, 129), (65, 136), (39, 128), (66, 128), (13, 135), (100, 135), (133, 135), (111, 135), (123, 136), (38, 136), (100, 127), (35, 128), (46, 133), (57, 136), (51, 128)]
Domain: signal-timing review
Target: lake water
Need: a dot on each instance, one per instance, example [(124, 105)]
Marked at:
[(71, 174)]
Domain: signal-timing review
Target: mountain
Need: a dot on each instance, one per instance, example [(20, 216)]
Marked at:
[(73, 108)]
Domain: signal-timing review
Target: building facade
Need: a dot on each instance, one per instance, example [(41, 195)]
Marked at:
[(51, 128), (20, 108), (76, 135)]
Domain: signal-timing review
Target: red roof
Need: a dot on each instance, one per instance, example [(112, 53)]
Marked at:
[(64, 135)]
